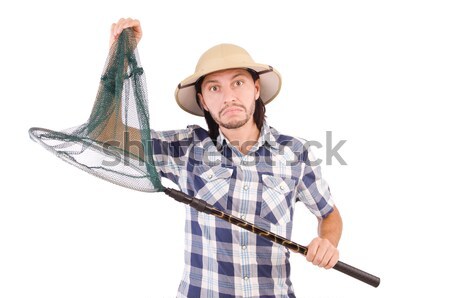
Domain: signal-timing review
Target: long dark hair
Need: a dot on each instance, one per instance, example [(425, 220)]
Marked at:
[(213, 128)]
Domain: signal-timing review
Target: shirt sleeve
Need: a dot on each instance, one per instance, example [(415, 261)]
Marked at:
[(170, 151), (314, 191)]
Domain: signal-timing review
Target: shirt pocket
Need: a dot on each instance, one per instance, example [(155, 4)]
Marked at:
[(276, 205), (212, 184)]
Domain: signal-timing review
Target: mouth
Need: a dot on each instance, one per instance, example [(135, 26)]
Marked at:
[(231, 110)]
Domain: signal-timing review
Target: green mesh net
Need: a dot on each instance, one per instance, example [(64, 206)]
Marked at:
[(114, 143)]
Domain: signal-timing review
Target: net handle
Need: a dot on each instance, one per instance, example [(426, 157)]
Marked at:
[(204, 207)]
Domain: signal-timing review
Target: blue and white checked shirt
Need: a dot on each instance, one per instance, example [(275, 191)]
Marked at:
[(222, 260)]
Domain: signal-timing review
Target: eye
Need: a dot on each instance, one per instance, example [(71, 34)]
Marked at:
[(213, 88), (239, 83)]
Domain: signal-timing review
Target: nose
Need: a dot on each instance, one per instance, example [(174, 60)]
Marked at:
[(228, 95)]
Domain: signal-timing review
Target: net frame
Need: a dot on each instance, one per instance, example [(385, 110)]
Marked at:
[(115, 142)]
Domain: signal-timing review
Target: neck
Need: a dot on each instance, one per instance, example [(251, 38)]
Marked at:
[(244, 137)]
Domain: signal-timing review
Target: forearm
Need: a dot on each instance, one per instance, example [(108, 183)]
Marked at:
[(330, 228)]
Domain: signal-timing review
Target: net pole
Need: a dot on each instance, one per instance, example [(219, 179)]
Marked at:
[(204, 207)]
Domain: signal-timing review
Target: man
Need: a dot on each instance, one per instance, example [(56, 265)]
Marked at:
[(245, 167)]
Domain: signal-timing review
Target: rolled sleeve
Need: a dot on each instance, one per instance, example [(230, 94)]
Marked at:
[(170, 149), (314, 191)]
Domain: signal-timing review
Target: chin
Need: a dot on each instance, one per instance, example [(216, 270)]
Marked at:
[(235, 124)]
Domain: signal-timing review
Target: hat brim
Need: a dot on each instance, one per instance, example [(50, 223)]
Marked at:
[(270, 82)]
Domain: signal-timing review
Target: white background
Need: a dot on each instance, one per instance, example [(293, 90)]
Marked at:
[(375, 73)]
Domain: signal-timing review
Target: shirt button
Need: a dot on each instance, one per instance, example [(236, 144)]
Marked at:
[(242, 216), (246, 278), (245, 187), (244, 247), (210, 176), (282, 187)]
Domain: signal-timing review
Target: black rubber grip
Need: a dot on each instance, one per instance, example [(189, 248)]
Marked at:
[(358, 274)]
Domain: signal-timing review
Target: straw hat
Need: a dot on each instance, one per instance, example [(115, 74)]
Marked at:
[(221, 57)]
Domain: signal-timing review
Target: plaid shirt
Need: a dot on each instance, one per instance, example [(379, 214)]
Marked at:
[(222, 260)]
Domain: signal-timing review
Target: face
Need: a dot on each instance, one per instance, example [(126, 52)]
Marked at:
[(229, 96)]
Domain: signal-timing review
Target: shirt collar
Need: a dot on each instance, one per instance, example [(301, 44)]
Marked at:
[(266, 137)]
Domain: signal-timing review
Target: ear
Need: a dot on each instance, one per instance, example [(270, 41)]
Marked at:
[(257, 89), (202, 102)]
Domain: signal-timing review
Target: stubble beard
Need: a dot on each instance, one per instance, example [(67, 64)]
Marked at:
[(234, 124)]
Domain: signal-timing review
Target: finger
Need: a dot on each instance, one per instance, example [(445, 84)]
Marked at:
[(320, 254), (312, 250), (119, 26), (334, 259), (112, 37), (326, 258), (137, 26), (113, 29)]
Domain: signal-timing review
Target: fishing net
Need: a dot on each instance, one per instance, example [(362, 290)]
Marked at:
[(115, 142)]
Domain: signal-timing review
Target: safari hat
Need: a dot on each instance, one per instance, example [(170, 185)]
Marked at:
[(221, 57)]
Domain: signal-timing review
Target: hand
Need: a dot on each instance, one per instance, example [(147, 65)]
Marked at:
[(117, 28), (323, 253)]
